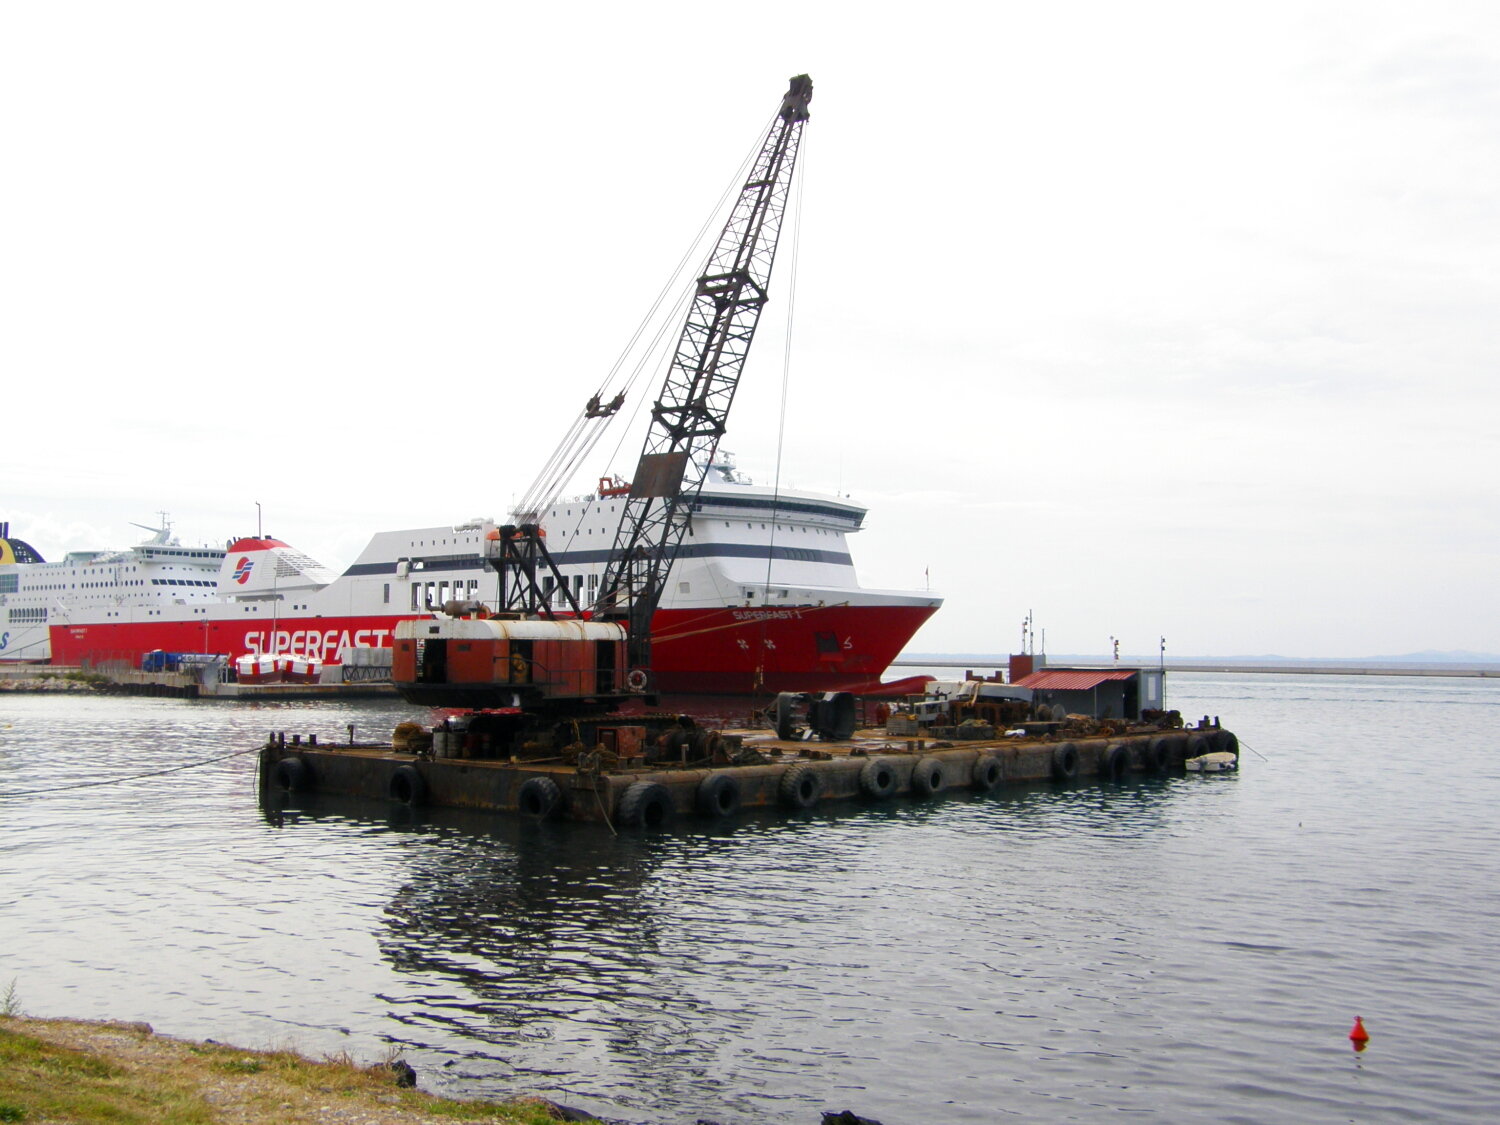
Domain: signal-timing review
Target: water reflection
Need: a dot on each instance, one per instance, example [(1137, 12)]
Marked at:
[(647, 969), (1184, 948)]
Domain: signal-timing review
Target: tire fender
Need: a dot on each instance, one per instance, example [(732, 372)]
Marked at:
[(1114, 763), (800, 787), (645, 804), (927, 777), (1065, 762), (291, 774), (878, 779), (407, 786), (988, 772), (1225, 742), (718, 795), (539, 798)]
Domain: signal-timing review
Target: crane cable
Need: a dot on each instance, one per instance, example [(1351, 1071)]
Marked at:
[(786, 379), (581, 437)]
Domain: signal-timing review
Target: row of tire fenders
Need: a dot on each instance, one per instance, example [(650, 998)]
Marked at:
[(649, 803)]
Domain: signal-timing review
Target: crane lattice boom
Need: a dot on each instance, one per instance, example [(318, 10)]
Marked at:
[(689, 417)]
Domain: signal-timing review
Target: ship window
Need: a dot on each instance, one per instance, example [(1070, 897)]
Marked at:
[(684, 587), (386, 597), (415, 589)]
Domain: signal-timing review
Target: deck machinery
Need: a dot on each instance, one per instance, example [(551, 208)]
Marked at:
[(535, 675)]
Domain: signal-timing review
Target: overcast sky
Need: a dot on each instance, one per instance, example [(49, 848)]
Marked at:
[(1155, 319)]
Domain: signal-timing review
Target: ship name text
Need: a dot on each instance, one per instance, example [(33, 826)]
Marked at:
[(312, 644)]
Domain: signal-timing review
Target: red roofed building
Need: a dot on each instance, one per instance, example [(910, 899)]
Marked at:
[(1104, 693)]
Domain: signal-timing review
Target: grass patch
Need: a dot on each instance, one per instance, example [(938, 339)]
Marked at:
[(111, 1074), (43, 1080)]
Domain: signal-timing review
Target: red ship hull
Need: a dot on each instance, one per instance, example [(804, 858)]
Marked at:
[(743, 651), (724, 651)]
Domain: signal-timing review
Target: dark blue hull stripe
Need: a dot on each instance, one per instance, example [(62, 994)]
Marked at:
[(443, 564)]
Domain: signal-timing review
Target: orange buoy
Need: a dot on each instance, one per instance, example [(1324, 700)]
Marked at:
[(1358, 1035)]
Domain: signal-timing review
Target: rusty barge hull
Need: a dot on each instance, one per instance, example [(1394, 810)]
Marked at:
[(870, 769)]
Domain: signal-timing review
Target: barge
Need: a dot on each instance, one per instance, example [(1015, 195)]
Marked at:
[(665, 769)]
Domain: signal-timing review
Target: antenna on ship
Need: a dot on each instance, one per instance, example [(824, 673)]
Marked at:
[(258, 533), (160, 536)]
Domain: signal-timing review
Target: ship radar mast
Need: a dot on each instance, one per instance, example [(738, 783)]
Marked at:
[(160, 536)]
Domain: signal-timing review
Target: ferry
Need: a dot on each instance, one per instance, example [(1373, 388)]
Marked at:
[(763, 595)]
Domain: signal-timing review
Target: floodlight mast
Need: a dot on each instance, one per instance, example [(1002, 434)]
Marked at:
[(689, 417)]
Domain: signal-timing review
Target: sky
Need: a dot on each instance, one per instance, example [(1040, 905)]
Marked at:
[(1152, 320)]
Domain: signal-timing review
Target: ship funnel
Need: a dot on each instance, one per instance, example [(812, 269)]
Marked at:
[(257, 568)]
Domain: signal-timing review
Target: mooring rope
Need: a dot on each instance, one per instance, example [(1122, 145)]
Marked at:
[(1252, 749), (129, 777)]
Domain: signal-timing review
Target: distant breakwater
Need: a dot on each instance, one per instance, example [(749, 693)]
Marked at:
[(1290, 668)]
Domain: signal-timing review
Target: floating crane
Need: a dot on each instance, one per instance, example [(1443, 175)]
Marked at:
[(528, 661)]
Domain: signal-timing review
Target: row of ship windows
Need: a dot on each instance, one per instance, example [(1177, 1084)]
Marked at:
[(11, 586), (28, 615), (157, 612), (590, 531), (804, 530), (748, 526), (474, 539)]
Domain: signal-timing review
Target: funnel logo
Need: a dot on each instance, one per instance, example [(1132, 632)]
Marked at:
[(242, 570)]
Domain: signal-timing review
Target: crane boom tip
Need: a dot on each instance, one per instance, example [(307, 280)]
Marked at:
[(798, 94)]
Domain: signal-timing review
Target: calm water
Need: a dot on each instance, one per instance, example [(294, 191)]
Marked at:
[(1189, 948)]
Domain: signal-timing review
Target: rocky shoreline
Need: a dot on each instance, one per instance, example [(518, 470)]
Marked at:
[(51, 683), (85, 1071), (91, 1072)]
